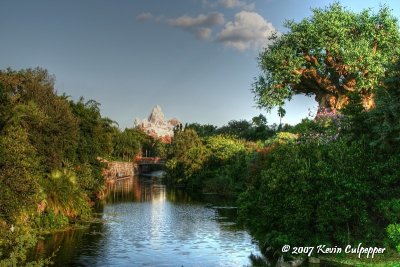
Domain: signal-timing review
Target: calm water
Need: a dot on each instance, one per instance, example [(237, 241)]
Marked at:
[(145, 224)]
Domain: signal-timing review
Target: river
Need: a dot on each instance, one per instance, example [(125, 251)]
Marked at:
[(143, 223)]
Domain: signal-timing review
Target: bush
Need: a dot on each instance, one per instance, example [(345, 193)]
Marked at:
[(393, 231), (214, 164), (64, 196), (19, 174), (51, 220), (309, 193), (15, 242)]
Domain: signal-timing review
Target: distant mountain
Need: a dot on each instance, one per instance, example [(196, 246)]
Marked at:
[(156, 125)]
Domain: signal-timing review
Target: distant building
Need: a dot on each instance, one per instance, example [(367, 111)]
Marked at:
[(156, 125)]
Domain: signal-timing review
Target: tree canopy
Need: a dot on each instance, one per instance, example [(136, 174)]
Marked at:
[(29, 100), (328, 55)]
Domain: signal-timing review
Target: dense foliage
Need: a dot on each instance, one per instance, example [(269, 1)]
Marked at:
[(328, 55), (211, 164), (309, 193), (130, 143), (50, 171), (333, 180), (254, 130)]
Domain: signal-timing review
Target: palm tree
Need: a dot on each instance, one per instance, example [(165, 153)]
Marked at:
[(281, 114)]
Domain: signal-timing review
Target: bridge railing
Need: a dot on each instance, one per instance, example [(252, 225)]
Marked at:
[(150, 160)]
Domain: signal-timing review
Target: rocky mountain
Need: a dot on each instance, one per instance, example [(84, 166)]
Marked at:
[(157, 126)]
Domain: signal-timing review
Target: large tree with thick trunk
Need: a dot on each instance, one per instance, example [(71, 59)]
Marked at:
[(328, 55)]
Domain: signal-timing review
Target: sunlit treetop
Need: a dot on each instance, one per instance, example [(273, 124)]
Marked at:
[(328, 55)]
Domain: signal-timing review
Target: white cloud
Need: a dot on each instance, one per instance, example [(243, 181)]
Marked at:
[(248, 30), (144, 16), (203, 33), (236, 4), (200, 26), (229, 4), (201, 20)]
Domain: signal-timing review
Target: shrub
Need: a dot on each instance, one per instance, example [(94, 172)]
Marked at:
[(393, 231), (308, 193)]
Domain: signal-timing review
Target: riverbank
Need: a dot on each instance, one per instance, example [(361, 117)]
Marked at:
[(310, 185), (146, 223), (81, 224)]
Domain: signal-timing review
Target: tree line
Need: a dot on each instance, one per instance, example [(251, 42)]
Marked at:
[(333, 180), (50, 173)]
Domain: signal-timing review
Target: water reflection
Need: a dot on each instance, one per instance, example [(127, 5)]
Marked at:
[(146, 224), (136, 189)]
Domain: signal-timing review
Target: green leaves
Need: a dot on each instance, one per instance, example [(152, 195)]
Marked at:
[(129, 143), (335, 192), (393, 232), (328, 55), (44, 139), (223, 148), (211, 164), (19, 174), (95, 133), (385, 118), (64, 196), (186, 155), (32, 103)]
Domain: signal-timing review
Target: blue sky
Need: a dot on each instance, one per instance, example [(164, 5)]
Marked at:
[(195, 58)]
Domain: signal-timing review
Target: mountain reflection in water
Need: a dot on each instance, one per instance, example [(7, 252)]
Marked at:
[(146, 224)]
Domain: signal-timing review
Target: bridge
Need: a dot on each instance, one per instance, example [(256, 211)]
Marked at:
[(149, 160), (117, 170), (145, 163)]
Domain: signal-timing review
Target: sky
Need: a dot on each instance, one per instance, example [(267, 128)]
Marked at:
[(196, 59)]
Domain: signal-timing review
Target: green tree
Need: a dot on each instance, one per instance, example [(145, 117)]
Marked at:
[(241, 128), (91, 129), (94, 141), (328, 55), (129, 143), (203, 130), (186, 156), (19, 174), (260, 131), (223, 147), (183, 141), (312, 193), (259, 120), (47, 117), (226, 163), (5, 106), (281, 114), (255, 130), (160, 148), (384, 119)]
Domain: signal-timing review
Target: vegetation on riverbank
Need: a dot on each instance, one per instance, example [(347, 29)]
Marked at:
[(333, 180), (337, 181), (198, 162), (49, 168), (389, 259)]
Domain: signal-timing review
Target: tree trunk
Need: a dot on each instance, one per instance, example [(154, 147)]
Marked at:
[(329, 103)]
